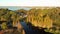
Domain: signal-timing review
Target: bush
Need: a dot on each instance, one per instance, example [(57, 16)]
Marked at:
[(3, 26)]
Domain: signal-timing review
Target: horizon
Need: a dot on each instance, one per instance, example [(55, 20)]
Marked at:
[(22, 7), (15, 7)]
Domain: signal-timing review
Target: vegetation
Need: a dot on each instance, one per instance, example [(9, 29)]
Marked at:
[(3, 26), (46, 18)]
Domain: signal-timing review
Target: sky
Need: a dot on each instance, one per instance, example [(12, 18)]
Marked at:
[(29, 2), (12, 3)]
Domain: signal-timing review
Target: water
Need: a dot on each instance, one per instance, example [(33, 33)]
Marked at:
[(26, 28)]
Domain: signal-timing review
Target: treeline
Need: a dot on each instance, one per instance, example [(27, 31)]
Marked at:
[(44, 17), (38, 17)]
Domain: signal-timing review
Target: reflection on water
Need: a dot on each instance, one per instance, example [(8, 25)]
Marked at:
[(26, 28)]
